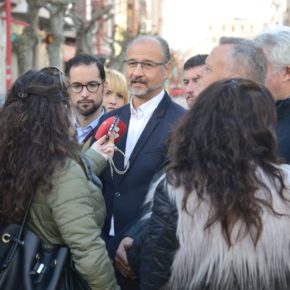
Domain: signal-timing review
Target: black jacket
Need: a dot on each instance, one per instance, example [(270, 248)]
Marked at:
[(283, 128), (157, 254)]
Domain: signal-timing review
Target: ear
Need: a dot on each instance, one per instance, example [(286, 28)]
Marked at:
[(167, 68), (287, 73)]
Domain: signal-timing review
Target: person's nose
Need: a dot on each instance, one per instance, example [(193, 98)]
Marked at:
[(113, 100), (189, 88), (85, 92), (138, 71)]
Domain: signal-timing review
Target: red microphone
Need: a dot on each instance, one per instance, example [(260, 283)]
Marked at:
[(114, 125)]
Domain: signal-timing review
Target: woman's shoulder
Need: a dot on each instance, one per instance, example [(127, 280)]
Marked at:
[(71, 182), (69, 171)]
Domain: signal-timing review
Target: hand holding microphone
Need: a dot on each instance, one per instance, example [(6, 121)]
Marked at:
[(105, 146), (115, 127)]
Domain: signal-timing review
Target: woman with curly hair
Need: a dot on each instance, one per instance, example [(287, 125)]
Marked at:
[(221, 212), (39, 158)]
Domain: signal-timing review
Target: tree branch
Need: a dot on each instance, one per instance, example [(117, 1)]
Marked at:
[(98, 15)]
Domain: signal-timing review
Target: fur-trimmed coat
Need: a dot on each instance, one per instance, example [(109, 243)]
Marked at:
[(179, 254)]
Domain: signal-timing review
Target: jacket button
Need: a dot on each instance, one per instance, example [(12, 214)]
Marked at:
[(117, 194)]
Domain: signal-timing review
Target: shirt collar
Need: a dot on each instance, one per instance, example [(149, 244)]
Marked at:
[(147, 108)]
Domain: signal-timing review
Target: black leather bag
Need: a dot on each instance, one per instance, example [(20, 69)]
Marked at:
[(25, 264)]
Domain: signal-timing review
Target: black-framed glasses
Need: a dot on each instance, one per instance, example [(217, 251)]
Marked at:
[(145, 65), (92, 87), (55, 71)]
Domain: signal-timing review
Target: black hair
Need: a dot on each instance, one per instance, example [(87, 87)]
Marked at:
[(194, 61), (85, 59)]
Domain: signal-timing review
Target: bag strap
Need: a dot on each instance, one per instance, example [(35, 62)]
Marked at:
[(23, 223), (16, 240)]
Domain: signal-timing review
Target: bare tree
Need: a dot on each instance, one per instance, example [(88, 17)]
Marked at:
[(57, 10), (25, 44), (118, 48), (85, 28)]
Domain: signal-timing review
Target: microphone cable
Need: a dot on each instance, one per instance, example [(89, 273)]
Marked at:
[(113, 166)]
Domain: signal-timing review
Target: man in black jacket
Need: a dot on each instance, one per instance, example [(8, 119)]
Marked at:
[(148, 117), (276, 45)]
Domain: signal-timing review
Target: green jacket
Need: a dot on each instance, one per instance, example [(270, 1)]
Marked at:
[(73, 214)]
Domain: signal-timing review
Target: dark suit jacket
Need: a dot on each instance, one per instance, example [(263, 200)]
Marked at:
[(283, 129), (124, 194)]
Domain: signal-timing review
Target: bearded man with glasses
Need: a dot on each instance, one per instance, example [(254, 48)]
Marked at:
[(148, 117), (86, 76)]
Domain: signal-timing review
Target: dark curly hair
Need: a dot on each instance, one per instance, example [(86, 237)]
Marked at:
[(35, 139), (217, 148)]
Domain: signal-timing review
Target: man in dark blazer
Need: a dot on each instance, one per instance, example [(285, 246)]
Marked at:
[(275, 44), (148, 117)]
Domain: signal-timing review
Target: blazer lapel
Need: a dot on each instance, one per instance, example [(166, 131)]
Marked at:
[(153, 122)]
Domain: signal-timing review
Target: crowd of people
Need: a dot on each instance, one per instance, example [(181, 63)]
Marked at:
[(195, 199)]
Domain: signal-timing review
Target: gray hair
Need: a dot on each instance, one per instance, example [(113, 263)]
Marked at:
[(276, 44), (163, 44), (248, 58), (231, 40)]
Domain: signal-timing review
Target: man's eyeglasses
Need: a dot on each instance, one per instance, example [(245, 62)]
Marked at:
[(55, 71), (145, 65), (92, 87)]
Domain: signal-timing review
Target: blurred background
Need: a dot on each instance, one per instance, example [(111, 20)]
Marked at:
[(38, 33)]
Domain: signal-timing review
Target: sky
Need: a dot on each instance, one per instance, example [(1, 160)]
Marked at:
[(185, 21)]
